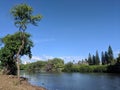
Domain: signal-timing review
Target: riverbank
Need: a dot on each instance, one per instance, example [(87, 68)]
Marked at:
[(8, 82)]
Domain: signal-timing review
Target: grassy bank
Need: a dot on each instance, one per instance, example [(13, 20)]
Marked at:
[(8, 82)]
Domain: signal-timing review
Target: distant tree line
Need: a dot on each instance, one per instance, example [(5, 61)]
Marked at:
[(52, 65), (107, 58), (93, 59), (107, 63)]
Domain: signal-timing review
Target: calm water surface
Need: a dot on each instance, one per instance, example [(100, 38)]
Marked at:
[(74, 81)]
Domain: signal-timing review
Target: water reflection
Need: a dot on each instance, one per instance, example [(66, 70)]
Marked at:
[(74, 81)]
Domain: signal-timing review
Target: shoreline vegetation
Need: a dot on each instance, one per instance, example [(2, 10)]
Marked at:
[(107, 63), (70, 67), (10, 82)]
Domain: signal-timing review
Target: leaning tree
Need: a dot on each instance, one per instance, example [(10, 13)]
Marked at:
[(23, 16), (11, 44)]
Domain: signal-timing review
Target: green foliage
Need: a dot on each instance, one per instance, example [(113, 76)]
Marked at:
[(55, 65), (99, 68), (22, 14), (97, 59), (114, 68), (34, 67), (106, 57), (118, 59), (7, 64), (93, 68), (103, 58), (90, 61), (11, 46), (13, 42), (23, 67), (68, 67), (94, 60), (84, 68), (110, 55), (74, 68), (0, 41)]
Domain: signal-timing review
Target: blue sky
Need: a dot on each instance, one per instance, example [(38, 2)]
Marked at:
[(70, 29)]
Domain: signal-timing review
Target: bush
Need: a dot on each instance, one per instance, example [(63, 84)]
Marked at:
[(100, 68), (69, 67)]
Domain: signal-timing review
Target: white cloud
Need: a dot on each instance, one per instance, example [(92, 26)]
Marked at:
[(43, 57), (36, 58), (71, 58), (46, 57)]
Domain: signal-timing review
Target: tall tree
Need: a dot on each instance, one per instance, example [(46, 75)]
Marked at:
[(0, 41), (106, 57), (94, 59), (118, 59), (110, 55), (97, 59), (90, 62), (103, 58), (23, 16)]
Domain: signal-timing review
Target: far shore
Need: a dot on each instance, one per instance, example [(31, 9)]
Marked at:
[(10, 82)]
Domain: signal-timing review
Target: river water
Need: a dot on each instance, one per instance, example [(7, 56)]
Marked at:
[(74, 81)]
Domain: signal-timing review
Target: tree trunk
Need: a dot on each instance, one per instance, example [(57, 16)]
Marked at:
[(18, 59), (18, 69)]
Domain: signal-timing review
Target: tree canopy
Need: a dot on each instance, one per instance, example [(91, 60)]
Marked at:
[(55, 64), (11, 46), (12, 42), (23, 15)]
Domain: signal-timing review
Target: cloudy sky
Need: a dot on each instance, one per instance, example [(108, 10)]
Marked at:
[(70, 29)]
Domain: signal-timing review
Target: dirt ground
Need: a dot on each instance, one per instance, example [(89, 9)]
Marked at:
[(8, 82)]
